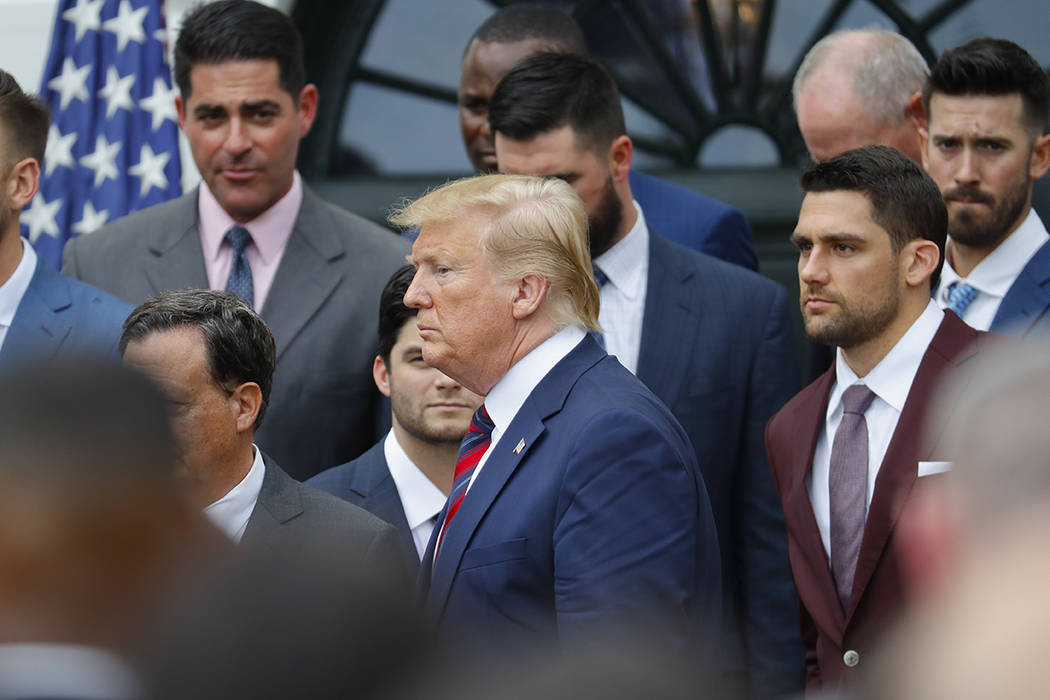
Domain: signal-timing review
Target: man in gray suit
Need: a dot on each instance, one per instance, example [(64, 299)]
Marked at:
[(313, 271), (213, 359)]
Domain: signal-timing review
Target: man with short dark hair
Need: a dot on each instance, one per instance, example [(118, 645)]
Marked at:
[(407, 476), (712, 340), (517, 31), (988, 103), (847, 450), (42, 314), (213, 358), (311, 269)]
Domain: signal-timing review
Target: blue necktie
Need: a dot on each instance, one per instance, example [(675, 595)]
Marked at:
[(960, 295), (240, 280), (600, 278)]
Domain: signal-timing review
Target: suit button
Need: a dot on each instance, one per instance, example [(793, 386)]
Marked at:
[(851, 658)]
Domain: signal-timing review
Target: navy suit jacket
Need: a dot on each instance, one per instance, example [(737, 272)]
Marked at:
[(61, 317), (1025, 310), (695, 220), (366, 482), (588, 518), (717, 349)]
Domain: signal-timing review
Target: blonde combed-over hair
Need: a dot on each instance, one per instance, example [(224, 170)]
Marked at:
[(534, 226)]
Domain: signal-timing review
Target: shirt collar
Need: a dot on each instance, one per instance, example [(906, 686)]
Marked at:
[(507, 396), (892, 378), (996, 273), (420, 498), (12, 291), (270, 230), (230, 513), (626, 262)]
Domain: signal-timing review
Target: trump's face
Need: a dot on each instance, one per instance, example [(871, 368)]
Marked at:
[(464, 313)]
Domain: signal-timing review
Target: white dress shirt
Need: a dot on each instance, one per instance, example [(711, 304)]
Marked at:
[(12, 291), (507, 396), (231, 512), (626, 265), (890, 381), (421, 500), (994, 275)]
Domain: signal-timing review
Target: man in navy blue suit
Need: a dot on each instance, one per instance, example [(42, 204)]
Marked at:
[(43, 315), (405, 478), (520, 30), (711, 340), (987, 105), (578, 516)]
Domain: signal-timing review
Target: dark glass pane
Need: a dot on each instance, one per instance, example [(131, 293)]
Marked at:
[(394, 133), (424, 40), (1026, 22), (738, 146)]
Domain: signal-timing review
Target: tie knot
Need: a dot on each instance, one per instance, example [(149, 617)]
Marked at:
[(857, 398), (481, 423), (600, 277), (960, 294), (239, 238)]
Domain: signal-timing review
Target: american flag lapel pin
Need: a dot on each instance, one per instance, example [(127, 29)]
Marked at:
[(519, 447)]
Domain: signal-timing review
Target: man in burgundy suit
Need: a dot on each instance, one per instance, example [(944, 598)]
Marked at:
[(847, 451)]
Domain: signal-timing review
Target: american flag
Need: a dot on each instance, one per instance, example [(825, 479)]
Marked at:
[(113, 143)]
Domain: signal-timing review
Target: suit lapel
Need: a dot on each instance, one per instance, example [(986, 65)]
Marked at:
[(279, 501), (1027, 300), (178, 260), (816, 584), (545, 400), (670, 315), (38, 328), (305, 278), (375, 488), (917, 430)]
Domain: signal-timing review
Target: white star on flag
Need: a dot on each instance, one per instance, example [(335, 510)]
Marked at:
[(70, 83), (90, 220), (86, 15), (41, 217), (161, 104), (59, 150), (117, 92), (127, 25), (103, 160), (150, 169)]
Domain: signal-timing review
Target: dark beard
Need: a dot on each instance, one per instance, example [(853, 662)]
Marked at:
[(604, 224), (969, 231)]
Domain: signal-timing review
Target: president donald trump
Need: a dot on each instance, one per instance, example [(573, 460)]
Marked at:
[(578, 516)]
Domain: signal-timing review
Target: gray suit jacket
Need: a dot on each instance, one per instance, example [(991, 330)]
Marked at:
[(289, 516), (321, 308)]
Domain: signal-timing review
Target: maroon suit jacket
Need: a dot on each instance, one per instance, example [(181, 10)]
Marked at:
[(836, 641)]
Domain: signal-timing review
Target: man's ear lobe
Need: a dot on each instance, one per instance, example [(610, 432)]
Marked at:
[(531, 293)]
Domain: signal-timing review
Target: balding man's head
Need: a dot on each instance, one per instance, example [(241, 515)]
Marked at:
[(860, 88)]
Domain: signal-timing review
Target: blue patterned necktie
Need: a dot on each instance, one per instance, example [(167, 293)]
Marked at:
[(960, 295), (240, 280), (600, 278)]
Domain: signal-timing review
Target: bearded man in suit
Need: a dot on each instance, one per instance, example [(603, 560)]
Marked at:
[(847, 451)]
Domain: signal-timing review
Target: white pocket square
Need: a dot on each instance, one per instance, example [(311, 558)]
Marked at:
[(927, 468)]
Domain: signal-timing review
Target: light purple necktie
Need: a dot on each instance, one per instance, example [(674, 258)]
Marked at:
[(848, 484)]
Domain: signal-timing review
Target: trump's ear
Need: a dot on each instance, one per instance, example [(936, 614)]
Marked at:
[(531, 293)]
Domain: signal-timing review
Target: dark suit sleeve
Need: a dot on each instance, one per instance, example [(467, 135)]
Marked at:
[(731, 239), (634, 541), (386, 561), (771, 615)]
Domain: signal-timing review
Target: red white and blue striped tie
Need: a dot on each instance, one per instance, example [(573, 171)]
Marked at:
[(474, 445)]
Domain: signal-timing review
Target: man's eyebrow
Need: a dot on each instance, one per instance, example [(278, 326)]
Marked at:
[(259, 104)]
